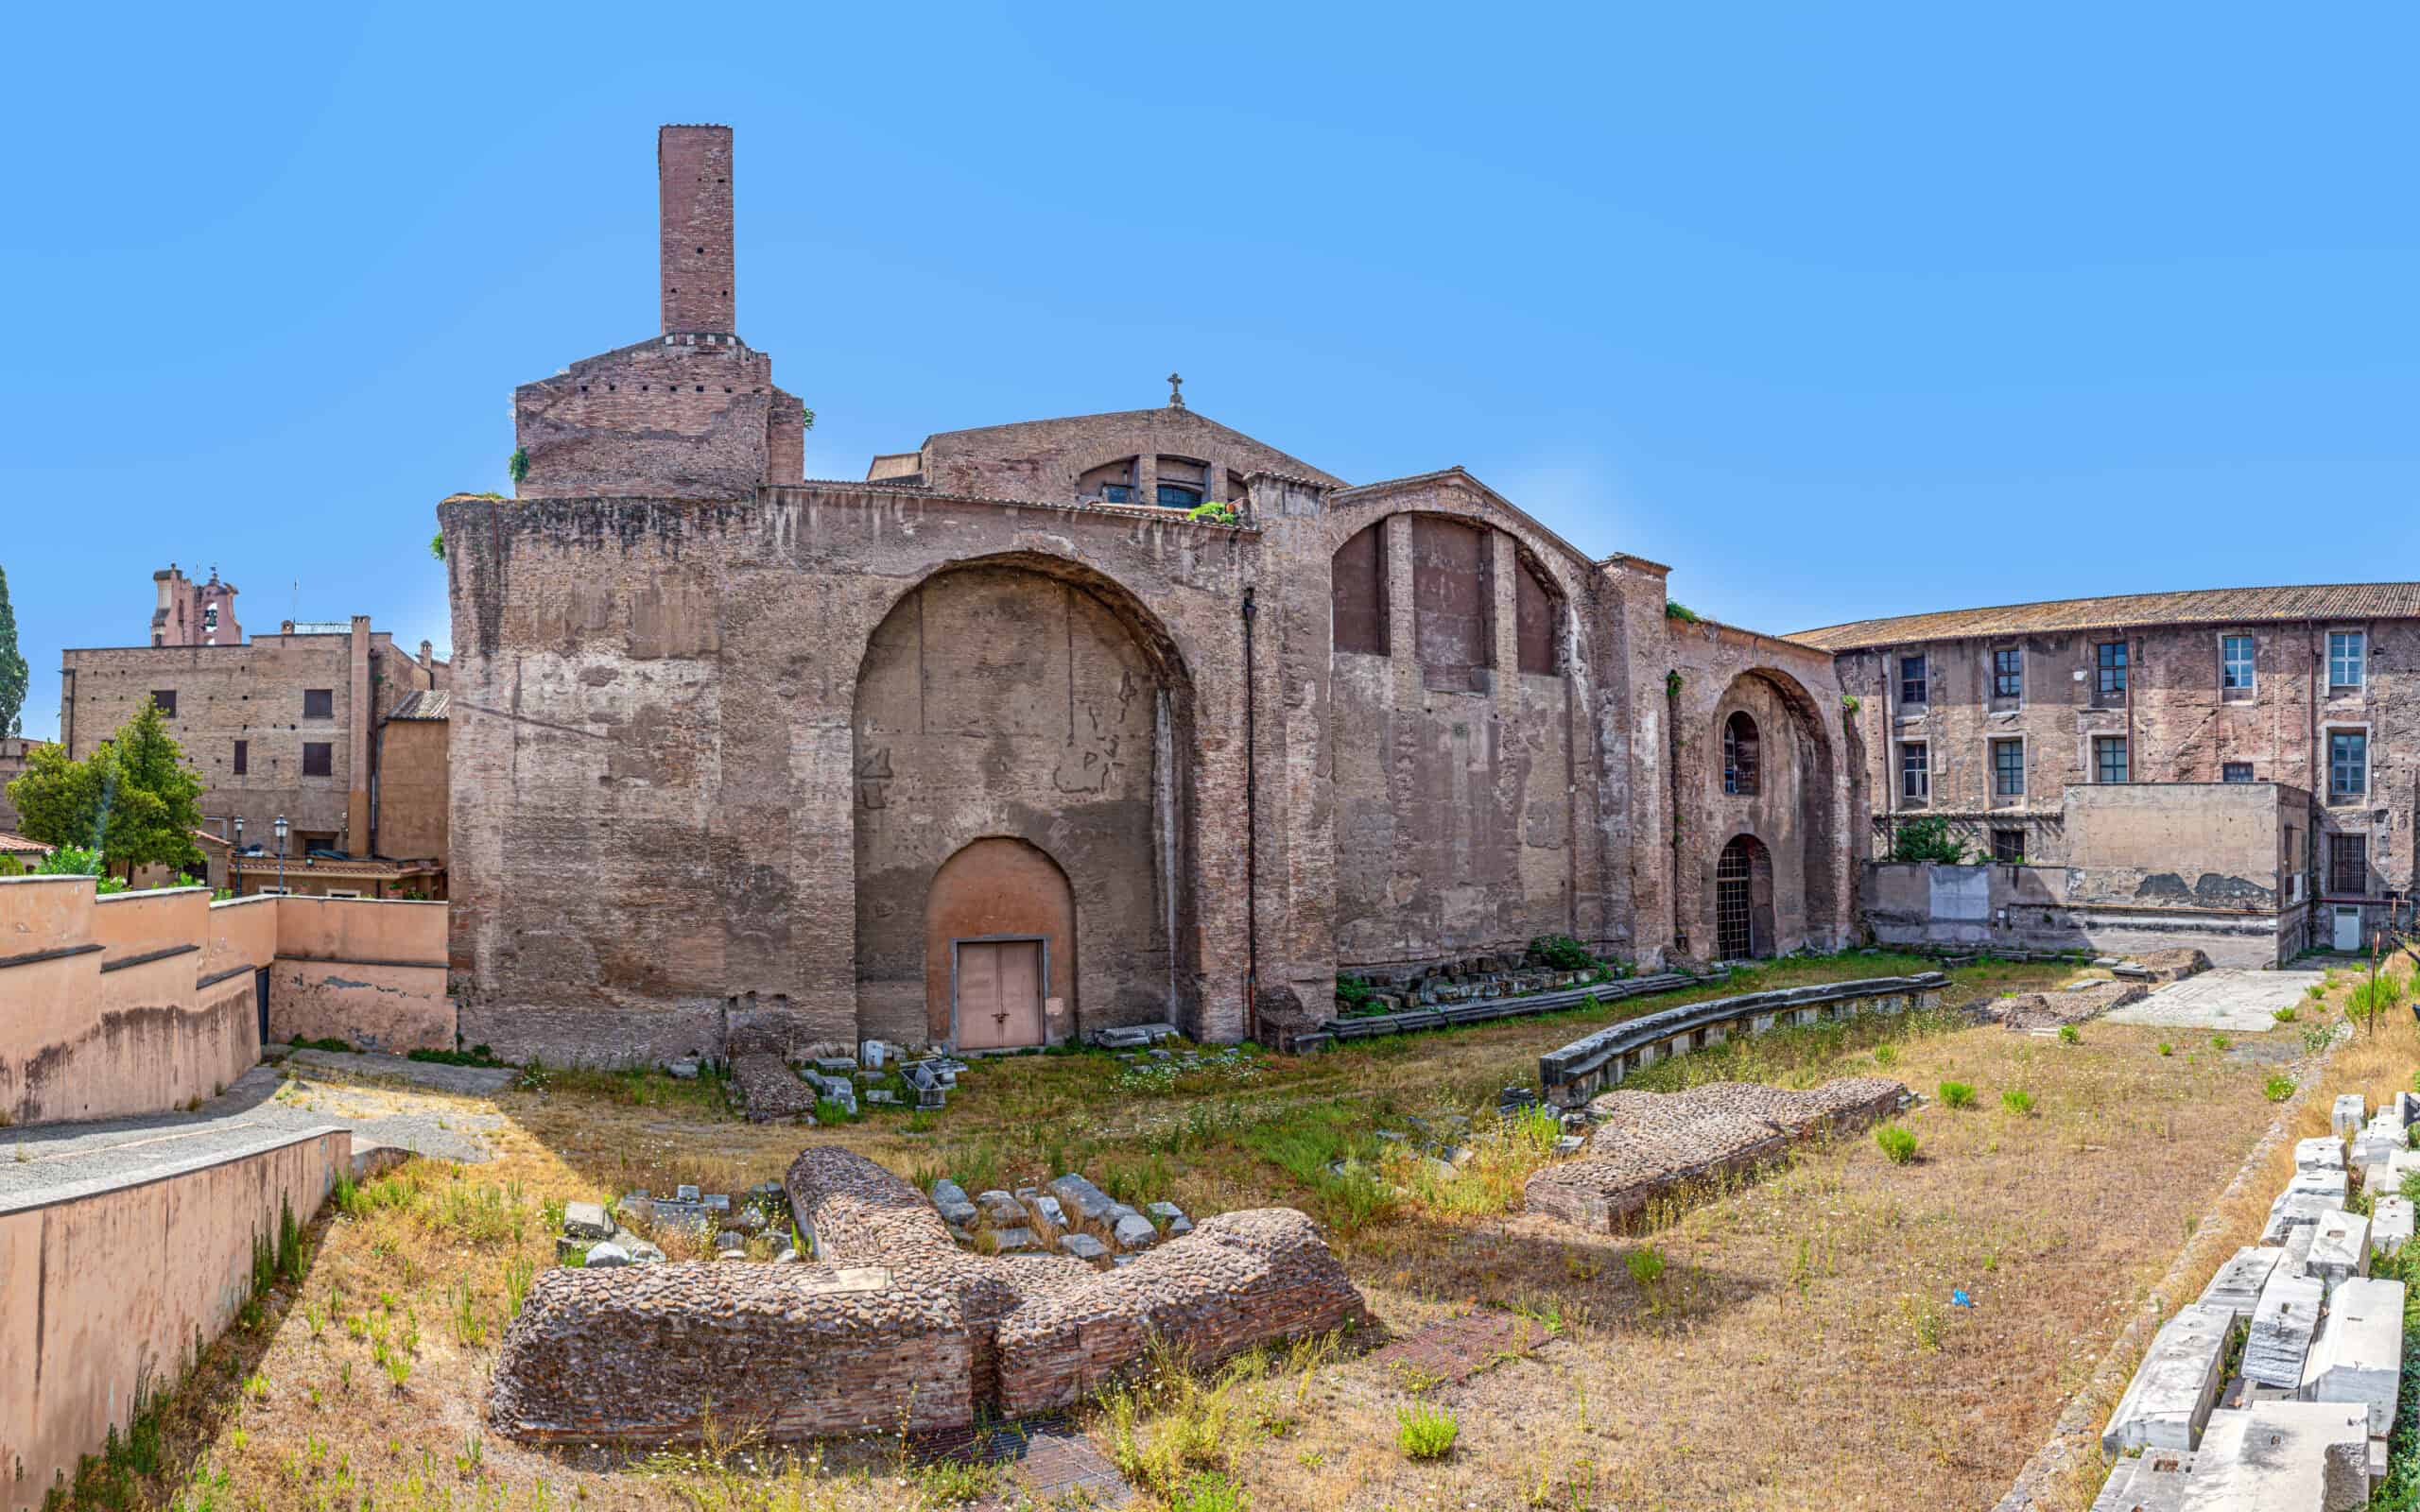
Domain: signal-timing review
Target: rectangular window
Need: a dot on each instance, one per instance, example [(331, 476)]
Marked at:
[(2008, 673), (318, 703), (1915, 772), (1118, 493), (2008, 768), (2349, 764), (164, 700), (2008, 846), (243, 757), (2235, 658), (2109, 758), (1911, 680), (2348, 862), (2347, 652), (319, 759), (2109, 669), (2237, 772)]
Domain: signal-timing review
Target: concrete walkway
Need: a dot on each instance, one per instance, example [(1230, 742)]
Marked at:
[(47, 1162), (2224, 998)]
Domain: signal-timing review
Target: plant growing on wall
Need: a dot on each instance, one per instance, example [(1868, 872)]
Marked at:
[(518, 464), (437, 546), (1675, 609), (1849, 704), (1928, 840), (1212, 512)]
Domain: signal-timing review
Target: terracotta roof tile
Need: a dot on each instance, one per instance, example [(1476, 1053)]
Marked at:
[(2199, 606)]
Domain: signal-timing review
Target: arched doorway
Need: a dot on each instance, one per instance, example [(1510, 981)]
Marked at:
[(999, 947), (1743, 899)]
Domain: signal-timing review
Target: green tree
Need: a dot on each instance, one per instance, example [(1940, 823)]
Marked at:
[(158, 803), (75, 861), (59, 801), (133, 799), (12, 666)]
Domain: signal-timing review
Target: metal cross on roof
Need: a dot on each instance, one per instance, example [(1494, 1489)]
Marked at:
[(1176, 391)]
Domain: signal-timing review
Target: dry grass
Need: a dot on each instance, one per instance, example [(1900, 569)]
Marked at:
[(1783, 1342)]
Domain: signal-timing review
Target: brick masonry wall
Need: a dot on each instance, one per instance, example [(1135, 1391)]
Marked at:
[(2181, 725), (694, 192), (687, 417), (252, 693)]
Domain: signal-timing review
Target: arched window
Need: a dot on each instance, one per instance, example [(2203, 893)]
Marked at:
[(1112, 483), (1183, 483), (1740, 754)]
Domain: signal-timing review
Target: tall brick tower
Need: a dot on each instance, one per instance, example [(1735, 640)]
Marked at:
[(694, 194), (692, 412)]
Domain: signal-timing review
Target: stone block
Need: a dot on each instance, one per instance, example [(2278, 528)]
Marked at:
[(1000, 1209), (2390, 1224), (1046, 1208), (1081, 1194), (2333, 1185), (2340, 1248), (606, 1256), (1134, 1231), (586, 1220), (2175, 1386), (873, 1051), (2358, 1357), (2153, 1481), (2236, 1286), (2350, 1111), (1009, 1241), (2293, 1210), (2272, 1456), (2407, 1107), (1083, 1247), (836, 1065), (685, 1194), (2282, 1325), (1163, 1213)]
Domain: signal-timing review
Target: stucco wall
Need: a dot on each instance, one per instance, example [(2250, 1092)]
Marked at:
[(141, 1001), (103, 1296), (362, 969)]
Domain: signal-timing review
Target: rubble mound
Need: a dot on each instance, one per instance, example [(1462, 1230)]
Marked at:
[(1650, 1143), (2044, 1012), (2173, 965)]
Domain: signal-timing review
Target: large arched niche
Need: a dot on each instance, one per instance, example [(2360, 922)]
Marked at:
[(1024, 699), (999, 899), (1787, 806)]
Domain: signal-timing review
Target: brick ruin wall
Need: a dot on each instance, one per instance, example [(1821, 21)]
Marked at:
[(904, 1325), (688, 417), (1648, 1146)]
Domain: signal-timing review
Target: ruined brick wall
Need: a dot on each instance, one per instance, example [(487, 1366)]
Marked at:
[(252, 692), (684, 416), (655, 763), (1047, 460), (1010, 702), (1457, 767), (694, 197), (1804, 813)]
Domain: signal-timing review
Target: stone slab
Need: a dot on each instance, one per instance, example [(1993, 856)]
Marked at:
[(2282, 1325), (2358, 1357), (2233, 999), (2237, 1284), (2340, 1248), (462, 1081), (2274, 1456), (1082, 1195), (2176, 1386), (2390, 1224), (2319, 1154), (2348, 1114)]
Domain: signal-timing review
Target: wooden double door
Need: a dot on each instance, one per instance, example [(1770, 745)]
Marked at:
[(1000, 988)]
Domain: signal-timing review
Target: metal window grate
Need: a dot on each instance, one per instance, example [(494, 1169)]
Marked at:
[(2348, 864), (1733, 937)]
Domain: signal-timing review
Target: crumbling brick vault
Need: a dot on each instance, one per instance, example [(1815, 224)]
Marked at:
[(1006, 744), (893, 1325)]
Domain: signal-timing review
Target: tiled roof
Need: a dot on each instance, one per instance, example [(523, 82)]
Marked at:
[(2199, 606), (17, 845), (424, 704)]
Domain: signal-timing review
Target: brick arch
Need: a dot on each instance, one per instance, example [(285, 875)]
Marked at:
[(1029, 699), (997, 889), (1798, 775)]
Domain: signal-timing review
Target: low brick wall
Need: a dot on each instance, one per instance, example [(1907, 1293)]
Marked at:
[(106, 1287), (894, 1322), (1649, 1145), (643, 1353), (1579, 1071)]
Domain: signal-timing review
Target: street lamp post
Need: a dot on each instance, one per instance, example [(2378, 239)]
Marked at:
[(236, 855), (281, 852)]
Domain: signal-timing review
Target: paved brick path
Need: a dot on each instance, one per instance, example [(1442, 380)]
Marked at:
[(1456, 1349), (1045, 1460)]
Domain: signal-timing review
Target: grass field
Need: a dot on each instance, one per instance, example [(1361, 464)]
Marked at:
[(1788, 1342)]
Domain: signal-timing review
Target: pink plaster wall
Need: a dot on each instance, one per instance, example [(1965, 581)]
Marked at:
[(363, 970), (80, 1337)]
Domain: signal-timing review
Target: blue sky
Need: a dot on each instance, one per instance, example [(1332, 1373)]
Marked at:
[(1840, 310)]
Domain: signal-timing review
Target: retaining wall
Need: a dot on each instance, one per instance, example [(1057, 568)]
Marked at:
[(107, 1289), (141, 1001), (1924, 905), (1579, 1071)]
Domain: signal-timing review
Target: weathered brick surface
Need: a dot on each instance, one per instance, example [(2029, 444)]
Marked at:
[(647, 1354), (1649, 1145)]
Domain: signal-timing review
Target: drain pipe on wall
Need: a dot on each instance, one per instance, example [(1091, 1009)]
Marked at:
[(1252, 838)]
